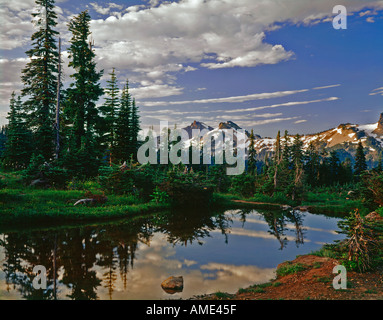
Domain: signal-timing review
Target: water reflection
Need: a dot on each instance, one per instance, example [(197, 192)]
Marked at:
[(100, 261)]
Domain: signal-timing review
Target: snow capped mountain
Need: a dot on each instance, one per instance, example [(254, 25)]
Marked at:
[(344, 138), (196, 125)]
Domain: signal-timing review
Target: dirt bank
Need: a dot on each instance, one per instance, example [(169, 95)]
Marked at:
[(310, 277)]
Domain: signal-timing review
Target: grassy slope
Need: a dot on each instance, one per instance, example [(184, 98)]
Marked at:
[(33, 205)]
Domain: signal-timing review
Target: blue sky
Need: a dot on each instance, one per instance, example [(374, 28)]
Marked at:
[(268, 65)]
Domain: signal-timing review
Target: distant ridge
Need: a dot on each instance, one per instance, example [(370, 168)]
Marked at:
[(344, 138)]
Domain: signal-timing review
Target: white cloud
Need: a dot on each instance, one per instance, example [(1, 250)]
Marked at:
[(377, 91), (286, 104), (300, 121), (251, 123), (155, 91), (234, 99), (157, 41), (327, 87), (211, 34), (105, 10), (9, 81)]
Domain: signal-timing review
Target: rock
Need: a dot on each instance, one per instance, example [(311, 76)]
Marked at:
[(39, 183), (379, 129), (302, 208), (173, 285), (374, 216), (286, 207)]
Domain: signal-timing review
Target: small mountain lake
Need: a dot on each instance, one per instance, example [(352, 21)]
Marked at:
[(129, 259)]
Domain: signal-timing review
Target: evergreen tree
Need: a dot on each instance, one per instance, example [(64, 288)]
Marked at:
[(135, 129), (277, 160), (18, 145), (346, 171), (334, 167), (297, 162), (311, 165), (83, 94), (360, 160), (40, 79), (379, 167), (110, 111), (286, 150), (297, 151), (123, 150), (80, 106), (251, 156), (3, 139)]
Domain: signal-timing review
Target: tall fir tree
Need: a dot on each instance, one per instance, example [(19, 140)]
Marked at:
[(3, 139), (297, 151), (40, 78), (135, 129), (379, 167), (85, 91), (297, 165), (334, 167), (346, 173), (277, 160), (18, 146), (311, 165), (286, 150), (251, 156), (80, 109), (123, 148), (109, 110), (360, 160)]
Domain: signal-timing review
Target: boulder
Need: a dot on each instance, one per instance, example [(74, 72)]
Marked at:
[(303, 208), (173, 285), (40, 183)]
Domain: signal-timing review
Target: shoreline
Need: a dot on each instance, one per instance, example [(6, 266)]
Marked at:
[(26, 206), (309, 277)]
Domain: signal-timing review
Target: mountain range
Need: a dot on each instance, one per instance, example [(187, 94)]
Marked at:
[(344, 139)]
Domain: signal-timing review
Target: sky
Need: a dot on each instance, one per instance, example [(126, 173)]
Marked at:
[(266, 65)]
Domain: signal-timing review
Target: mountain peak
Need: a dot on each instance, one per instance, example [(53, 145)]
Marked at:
[(198, 126), (380, 123), (379, 129), (229, 125)]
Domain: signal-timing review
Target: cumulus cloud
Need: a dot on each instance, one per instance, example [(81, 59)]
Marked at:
[(9, 82), (106, 10), (160, 39), (210, 34), (15, 23)]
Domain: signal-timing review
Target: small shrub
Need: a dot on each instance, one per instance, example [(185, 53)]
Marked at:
[(43, 174), (159, 196), (363, 248), (243, 185), (2, 183), (290, 268), (187, 190)]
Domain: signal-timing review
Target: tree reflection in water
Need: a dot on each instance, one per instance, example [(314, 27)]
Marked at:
[(70, 254)]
